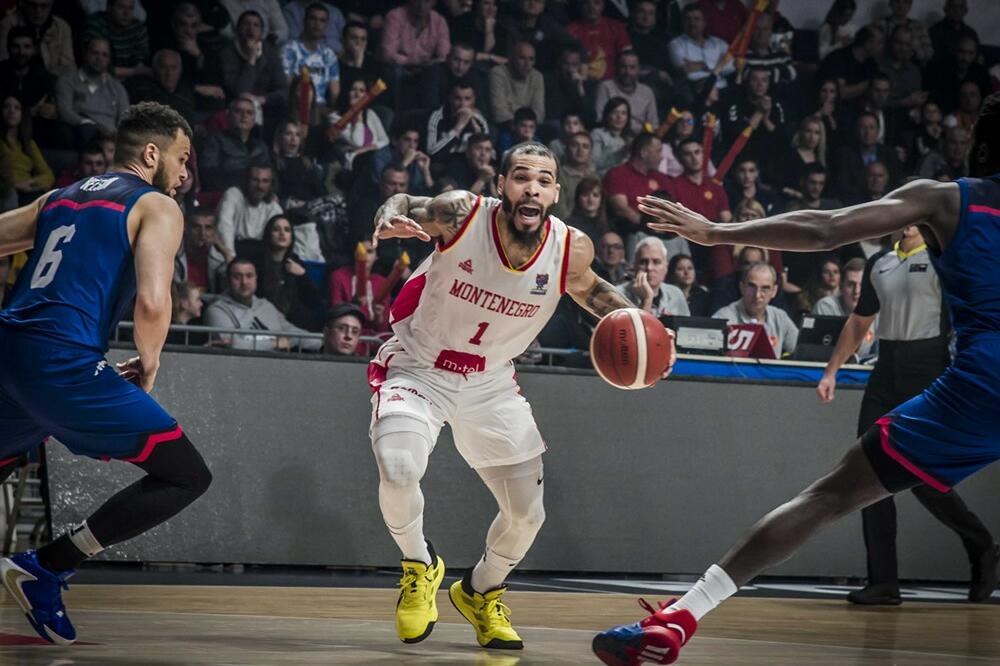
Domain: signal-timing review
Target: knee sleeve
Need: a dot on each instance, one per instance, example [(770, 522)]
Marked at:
[(525, 508), (398, 467), (402, 460), (531, 516), (401, 457), (176, 475), (519, 493), (179, 463)]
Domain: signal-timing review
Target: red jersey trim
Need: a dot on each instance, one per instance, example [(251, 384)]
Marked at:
[(377, 373), (408, 299), (153, 441), (503, 255), (565, 263), (985, 209), (444, 247), (74, 205), (886, 441)]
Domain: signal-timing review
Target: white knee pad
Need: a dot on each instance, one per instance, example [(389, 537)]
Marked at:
[(402, 456)]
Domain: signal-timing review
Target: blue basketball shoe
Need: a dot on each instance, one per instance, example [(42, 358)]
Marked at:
[(38, 592), (657, 638)]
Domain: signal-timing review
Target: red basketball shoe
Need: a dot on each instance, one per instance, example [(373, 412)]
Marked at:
[(657, 639)]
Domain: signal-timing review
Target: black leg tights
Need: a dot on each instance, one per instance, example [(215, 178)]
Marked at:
[(176, 475)]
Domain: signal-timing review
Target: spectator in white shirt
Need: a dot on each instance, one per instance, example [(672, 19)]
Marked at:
[(696, 53), (244, 211)]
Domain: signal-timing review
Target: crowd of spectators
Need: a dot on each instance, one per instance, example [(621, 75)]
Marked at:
[(285, 179)]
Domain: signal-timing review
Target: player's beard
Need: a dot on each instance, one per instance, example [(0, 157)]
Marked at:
[(160, 180), (524, 237)]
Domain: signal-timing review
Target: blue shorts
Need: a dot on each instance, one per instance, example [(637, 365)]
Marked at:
[(52, 389), (948, 432)]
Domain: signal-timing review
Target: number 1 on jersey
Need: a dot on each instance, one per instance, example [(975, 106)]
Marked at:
[(478, 337)]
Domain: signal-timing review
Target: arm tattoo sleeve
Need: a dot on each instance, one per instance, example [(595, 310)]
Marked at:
[(403, 204), (604, 298), (449, 210)]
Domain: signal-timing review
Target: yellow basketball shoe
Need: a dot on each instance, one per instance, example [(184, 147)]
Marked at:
[(416, 608), (487, 614)]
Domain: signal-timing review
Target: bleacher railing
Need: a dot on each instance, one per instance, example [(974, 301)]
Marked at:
[(306, 344)]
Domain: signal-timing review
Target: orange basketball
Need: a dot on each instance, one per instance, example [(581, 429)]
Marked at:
[(630, 348)]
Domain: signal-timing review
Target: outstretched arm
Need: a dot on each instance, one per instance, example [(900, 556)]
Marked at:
[(407, 216), (17, 227), (926, 202), (592, 293)]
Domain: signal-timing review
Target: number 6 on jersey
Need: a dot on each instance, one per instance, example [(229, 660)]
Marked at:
[(48, 263)]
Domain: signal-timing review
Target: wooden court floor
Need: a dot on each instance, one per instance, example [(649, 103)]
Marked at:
[(221, 625)]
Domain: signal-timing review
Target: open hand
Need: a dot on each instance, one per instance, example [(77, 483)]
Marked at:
[(672, 217), (398, 226)]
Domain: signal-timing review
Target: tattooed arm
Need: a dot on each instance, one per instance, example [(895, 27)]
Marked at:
[(407, 216), (593, 294)]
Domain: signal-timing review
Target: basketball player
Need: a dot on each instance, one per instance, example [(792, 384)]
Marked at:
[(901, 286), (477, 302), (98, 244), (938, 437)]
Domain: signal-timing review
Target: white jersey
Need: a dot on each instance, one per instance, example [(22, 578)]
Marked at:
[(467, 309)]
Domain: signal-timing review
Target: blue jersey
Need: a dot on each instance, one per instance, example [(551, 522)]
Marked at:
[(952, 429), (81, 275), (969, 268)]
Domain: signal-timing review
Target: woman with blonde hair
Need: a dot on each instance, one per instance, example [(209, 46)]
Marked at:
[(808, 147)]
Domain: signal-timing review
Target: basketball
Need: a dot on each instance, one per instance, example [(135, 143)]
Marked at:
[(630, 348)]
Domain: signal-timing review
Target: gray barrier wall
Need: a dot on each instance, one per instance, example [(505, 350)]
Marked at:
[(655, 481)]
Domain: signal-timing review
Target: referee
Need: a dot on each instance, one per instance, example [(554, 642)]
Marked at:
[(902, 287)]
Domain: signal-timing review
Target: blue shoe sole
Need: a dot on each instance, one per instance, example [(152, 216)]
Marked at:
[(614, 651)]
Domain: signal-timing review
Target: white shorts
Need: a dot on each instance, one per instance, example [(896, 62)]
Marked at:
[(491, 421)]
